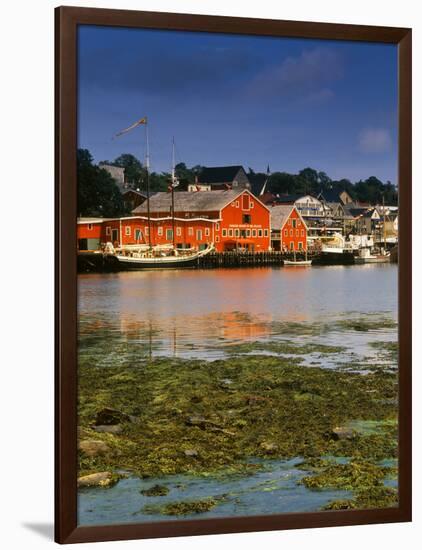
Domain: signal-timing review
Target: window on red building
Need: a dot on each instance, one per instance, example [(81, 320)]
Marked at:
[(292, 245), (230, 232), (199, 234), (190, 231), (108, 230), (138, 234), (90, 226), (127, 230), (160, 231), (265, 232), (246, 218), (300, 245), (207, 231), (178, 231), (259, 232), (294, 223), (224, 232), (237, 232), (245, 202)]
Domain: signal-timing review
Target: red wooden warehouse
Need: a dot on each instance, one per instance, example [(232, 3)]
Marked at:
[(231, 219), (288, 229)]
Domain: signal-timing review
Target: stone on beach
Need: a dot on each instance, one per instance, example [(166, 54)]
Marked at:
[(100, 479)]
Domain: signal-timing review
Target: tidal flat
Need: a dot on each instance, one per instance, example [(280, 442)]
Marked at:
[(217, 407), (167, 416)]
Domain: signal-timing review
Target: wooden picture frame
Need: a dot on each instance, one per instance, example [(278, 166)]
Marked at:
[(67, 20)]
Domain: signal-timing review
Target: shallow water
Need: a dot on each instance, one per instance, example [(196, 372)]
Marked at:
[(272, 491), (204, 314)]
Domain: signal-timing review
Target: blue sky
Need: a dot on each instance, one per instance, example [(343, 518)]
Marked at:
[(232, 99)]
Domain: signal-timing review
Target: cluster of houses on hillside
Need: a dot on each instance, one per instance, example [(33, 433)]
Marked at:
[(234, 211)]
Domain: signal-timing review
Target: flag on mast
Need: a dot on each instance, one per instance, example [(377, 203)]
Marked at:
[(134, 125)]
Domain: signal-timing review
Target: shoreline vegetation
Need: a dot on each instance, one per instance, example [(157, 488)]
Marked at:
[(158, 416)]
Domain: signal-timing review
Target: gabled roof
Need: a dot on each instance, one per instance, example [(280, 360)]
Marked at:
[(219, 174), (130, 190), (257, 182), (184, 201), (280, 213)]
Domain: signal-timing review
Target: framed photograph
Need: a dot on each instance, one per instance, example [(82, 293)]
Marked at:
[(233, 274)]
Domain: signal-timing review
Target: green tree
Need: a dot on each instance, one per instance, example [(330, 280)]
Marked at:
[(98, 194), (135, 172)]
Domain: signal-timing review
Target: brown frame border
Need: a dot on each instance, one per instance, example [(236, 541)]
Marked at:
[(66, 21)]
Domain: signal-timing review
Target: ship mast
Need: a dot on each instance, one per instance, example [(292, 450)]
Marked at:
[(173, 185), (147, 166)]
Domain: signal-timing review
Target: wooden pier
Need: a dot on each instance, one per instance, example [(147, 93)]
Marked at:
[(245, 259)]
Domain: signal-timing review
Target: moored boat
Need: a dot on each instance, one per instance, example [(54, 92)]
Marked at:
[(153, 260), (297, 263)]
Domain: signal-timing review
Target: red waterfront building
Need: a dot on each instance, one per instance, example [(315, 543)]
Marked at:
[(288, 229), (231, 219)]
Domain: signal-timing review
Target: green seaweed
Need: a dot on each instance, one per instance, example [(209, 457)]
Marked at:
[(156, 491), (182, 508)]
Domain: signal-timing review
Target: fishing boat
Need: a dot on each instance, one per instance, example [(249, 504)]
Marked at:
[(366, 257), (165, 256)]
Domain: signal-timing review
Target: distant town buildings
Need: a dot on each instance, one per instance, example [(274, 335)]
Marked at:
[(234, 211)]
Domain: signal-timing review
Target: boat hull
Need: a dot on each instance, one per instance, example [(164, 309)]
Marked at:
[(299, 263), (157, 263), (330, 258)]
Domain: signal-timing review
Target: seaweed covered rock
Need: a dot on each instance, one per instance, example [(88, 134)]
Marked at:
[(342, 432), (183, 508), (111, 429), (156, 491), (93, 447), (110, 417)]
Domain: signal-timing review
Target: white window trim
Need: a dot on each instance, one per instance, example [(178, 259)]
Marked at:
[(127, 230), (108, 230)]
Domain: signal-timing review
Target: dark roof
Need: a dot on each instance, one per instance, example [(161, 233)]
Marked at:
[(218, 174), (130, 190), (330, 195), (355, 211), (289, 199), (185, 201), (257, 182)]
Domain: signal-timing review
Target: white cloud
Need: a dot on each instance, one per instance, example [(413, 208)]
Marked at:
[(308, 73), (375, 140)]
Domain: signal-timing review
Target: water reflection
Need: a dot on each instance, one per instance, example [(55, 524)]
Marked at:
[(202, 313)]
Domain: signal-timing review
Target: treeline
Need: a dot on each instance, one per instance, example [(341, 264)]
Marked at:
[(98, 194)]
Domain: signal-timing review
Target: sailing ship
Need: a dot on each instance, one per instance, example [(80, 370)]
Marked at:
[(161, 257)]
